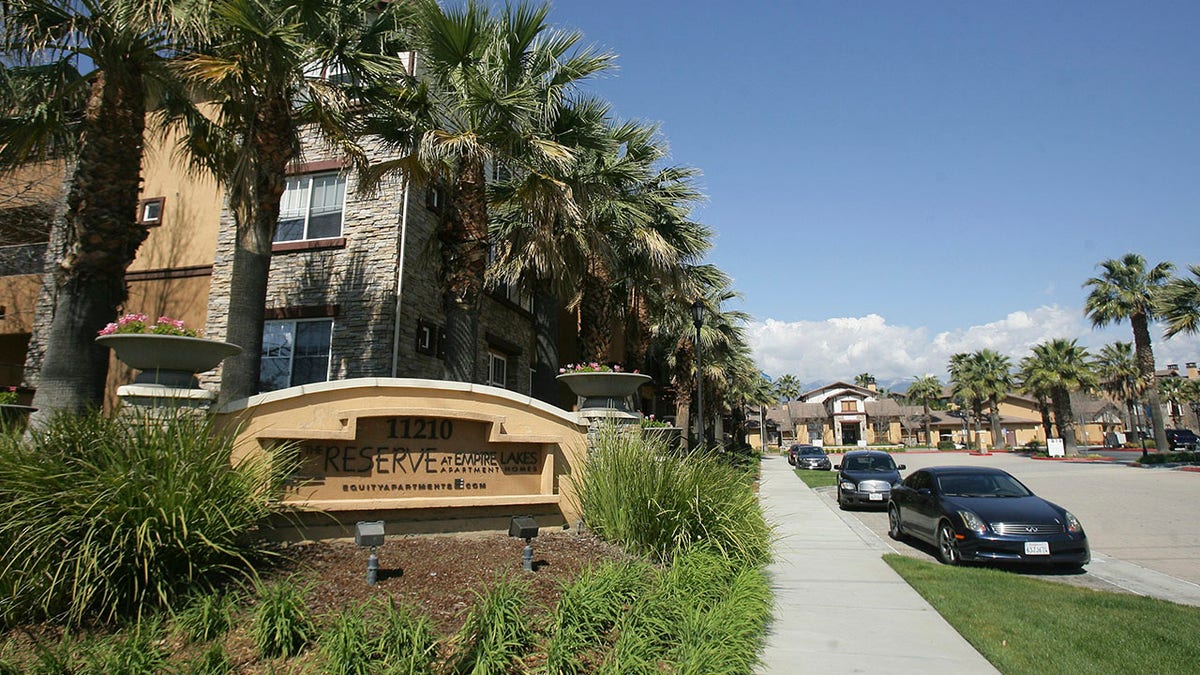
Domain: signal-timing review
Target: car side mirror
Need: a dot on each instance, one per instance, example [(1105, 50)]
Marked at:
[(924, 492), (900, 467)]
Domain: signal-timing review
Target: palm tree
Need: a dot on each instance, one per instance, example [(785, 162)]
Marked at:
[(787, 388), (78, 79), (864, 380), (925, 389), (1174, 393), (1036, 382), (968, 388), (1118, 375), (1061, 366), (275, 71), (993, 372), (1127, 290), (1178, 303), (488, 93)]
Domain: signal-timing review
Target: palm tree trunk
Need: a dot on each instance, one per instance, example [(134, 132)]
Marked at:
[(464, 241), (595, 317), (102, 238), (1145, 361), (997, 442), (1044, 409), (256, 221), (928, 428), (546, 357), (1065, 419)]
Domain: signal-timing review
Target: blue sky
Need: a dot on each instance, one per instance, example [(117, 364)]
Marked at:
[(893, 182)]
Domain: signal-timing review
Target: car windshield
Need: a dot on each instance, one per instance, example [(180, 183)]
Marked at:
[(981, 485), (811, 451), (869, 464)]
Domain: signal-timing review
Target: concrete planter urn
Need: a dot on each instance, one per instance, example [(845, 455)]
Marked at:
[(604, 390), (168, 365)]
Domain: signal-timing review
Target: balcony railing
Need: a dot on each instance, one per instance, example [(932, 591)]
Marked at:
[(22, 259)]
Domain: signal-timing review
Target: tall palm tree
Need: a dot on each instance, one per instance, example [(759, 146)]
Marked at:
[(925, 389), (994, 373), (1035, 381), (267, 75), (1126, 290), (1178, 303), (864, 380), (1174, 393), (1118, 375), (79, 79), (787, 388), (968, 388), (1061, 366), (489, 89)]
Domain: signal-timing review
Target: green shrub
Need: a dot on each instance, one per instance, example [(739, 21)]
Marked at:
[(945, 445), (406, 642), (589, 609), (1033, 446), (281, 626), (346, 643), (135, 651), (205, 618), (1170, 458), (212, 661), (108, 518), (654, 503), (498, 630)]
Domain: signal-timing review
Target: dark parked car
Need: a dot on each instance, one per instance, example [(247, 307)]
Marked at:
[(1182, 438), (809, 457), (866, 477), (985, 514)]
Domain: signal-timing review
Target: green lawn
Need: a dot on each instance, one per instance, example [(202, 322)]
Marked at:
[(1026, 625), (817, 478)]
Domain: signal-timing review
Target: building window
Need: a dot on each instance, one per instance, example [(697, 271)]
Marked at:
[(430, 339), (435, 198), (497, 369), (150, 211), (849, 406), (294, 353), (311, 207)]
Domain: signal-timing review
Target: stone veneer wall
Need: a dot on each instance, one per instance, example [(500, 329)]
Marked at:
[(360, 280)]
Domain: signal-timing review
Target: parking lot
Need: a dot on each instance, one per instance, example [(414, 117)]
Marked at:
[(1142, 524)]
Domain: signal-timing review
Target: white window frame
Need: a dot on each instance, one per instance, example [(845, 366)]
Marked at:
[(291, 357), (304, 181), (494, 358)]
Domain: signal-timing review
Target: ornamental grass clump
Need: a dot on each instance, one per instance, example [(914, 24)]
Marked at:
[(103, 519), (640, 493)]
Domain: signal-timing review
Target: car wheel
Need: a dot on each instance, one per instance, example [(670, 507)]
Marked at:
[(841, 502), (895, 529), (947, 545)]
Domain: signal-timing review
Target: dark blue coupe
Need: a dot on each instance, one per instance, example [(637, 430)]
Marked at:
[(985, 514)]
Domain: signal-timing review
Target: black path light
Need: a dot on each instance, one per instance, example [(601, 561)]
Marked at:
[(369, 534), (524, 527), (698, 321)]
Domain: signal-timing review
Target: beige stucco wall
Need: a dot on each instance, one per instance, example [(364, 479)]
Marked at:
[(333, 413)]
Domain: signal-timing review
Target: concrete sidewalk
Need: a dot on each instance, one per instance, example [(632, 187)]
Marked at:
[(839, 607)]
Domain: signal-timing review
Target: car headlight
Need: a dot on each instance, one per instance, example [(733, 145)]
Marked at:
[(848, 486), (1073, 524), (972, 522)]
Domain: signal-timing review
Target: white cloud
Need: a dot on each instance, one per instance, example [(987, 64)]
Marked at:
[(840, 348)]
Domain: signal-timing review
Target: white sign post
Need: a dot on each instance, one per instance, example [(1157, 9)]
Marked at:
[(1054, 447)]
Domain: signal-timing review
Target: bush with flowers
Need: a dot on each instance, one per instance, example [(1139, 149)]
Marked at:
[(649, 422), (140, 323), (592, 367), (8, 396)]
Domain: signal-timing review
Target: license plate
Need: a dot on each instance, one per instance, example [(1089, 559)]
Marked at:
[(1037, 548), (875, 497)]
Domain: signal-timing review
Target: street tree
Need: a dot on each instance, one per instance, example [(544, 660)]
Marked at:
[(1178, 303), (1127, 290), (1061, 366), (923, 390)]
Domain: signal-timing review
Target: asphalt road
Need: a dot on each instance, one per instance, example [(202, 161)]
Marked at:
[(1142, 524)]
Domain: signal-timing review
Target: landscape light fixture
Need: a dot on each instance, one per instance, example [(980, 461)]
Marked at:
[(369, 534), (698, 321), (524, 527)]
